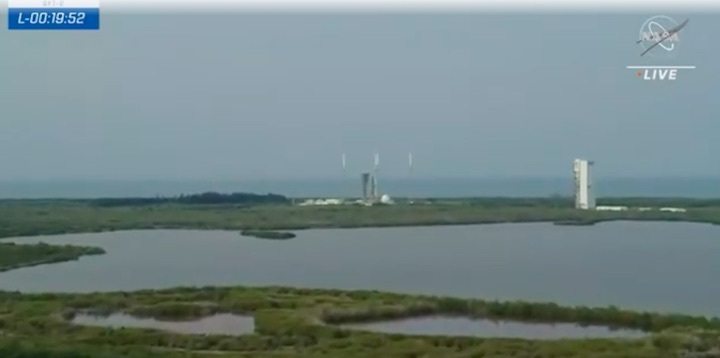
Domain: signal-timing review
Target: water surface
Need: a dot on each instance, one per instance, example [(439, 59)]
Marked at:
[(220, 324), (654, 266), (458, 326)]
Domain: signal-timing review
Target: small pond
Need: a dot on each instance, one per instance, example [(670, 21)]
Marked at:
[(459, 326), (219, 324)]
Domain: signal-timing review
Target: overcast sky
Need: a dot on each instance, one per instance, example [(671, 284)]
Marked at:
[(282, 96)]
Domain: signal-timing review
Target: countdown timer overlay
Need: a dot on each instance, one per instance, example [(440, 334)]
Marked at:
[(53, 14)]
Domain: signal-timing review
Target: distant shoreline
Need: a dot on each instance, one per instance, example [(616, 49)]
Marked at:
[(51, 217)]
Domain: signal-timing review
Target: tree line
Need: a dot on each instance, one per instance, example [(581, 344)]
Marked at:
[(202, 198)]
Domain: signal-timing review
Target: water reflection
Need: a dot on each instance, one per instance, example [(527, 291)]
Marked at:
[(220, 324), (458, 326)]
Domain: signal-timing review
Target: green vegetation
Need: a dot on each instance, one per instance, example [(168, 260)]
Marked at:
[(38, 217), (290, 322), (14, 256), (265, 234)]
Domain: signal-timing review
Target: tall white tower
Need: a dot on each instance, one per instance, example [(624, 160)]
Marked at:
[(584, 198)]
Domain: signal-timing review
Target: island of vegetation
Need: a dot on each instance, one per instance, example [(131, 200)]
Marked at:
[(303, 323), (267, 234)]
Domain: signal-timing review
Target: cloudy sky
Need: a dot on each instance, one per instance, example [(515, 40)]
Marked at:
[(245, 96)]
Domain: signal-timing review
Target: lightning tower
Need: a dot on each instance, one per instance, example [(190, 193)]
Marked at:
[(584, 198)]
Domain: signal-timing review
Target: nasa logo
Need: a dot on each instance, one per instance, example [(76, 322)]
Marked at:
[(658, 36), (661, 31)]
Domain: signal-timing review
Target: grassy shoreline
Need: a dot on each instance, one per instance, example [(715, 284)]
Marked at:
[(16, 256), (288, 321)]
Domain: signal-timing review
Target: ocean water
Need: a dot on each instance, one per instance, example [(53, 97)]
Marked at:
[(351, 187)]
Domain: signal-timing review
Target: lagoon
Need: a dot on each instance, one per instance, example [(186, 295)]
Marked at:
[(635, 265)]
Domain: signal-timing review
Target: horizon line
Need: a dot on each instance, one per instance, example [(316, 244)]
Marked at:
[(336, 178)]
